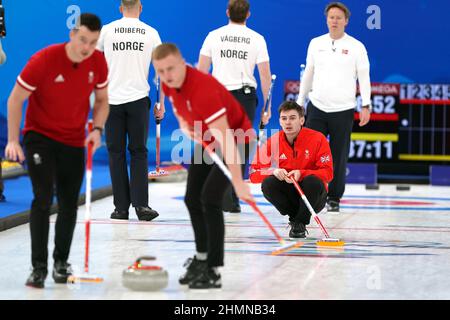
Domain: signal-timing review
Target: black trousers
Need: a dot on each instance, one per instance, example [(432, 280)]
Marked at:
[(130, 122), (52, 164), (205, 189), (339, 126), (287, 200), (249, 102)]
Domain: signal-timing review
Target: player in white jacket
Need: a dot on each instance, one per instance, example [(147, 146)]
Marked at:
[(335, 61)]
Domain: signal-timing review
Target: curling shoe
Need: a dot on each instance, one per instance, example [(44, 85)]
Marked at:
[(209, 279), (37, 278), (61, 271), (195, 268)]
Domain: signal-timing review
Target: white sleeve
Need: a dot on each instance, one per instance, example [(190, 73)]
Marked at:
[(2, 54), (307, 80), (263, 53), (363, 74), (157, 39), (206, 49), (101, 40)]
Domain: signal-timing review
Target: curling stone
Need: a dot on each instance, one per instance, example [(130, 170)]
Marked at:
[(145, 277)]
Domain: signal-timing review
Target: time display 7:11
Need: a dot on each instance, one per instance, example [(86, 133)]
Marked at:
[(360, 149)]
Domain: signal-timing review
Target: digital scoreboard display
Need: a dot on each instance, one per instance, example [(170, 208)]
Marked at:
[(409, 122)]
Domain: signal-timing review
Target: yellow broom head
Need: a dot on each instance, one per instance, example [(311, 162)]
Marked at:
[(84, 278), (330, 242), (287, 247)]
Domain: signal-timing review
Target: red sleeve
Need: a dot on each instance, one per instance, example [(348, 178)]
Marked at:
[(33, 73), (261, 164), (164, 88), (102, 68), (323, 164)]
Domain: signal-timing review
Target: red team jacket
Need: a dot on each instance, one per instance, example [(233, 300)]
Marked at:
[(202, 98), (59, 104), (310, 154)]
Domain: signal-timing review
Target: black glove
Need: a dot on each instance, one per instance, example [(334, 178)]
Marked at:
[(2, 21)]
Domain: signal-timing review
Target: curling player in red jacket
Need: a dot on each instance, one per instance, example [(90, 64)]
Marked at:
[(296, 152)]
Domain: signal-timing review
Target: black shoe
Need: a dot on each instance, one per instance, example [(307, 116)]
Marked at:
[(2, 198), (61, 271), (235, 208), (298, 230), (37, 278), (209, 279), (333, 206), (146, 213), (195, 268), (119, 215)]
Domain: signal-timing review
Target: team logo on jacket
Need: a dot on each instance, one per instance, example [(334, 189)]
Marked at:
[(324, 159), (306, 154), (59, 78), (91, 77), (283, 157)]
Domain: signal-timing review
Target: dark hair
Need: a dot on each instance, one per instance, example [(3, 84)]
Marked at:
[(164, 50), (292, 105), (90, 21), (238, 10), (338, 5)]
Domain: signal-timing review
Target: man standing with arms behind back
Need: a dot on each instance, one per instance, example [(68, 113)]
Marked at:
[(333, 64), (234, 51), (128, 44)]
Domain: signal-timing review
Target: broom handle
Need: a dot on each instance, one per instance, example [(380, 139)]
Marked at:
[(227, 173), (310, 208), (265, 109), (158, 144), (158, 129), (87, 216)]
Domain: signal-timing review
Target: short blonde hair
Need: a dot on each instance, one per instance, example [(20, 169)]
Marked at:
[(164, 50), (130, 4)]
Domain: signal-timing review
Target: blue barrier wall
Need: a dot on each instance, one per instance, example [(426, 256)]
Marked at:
[(411, 44)]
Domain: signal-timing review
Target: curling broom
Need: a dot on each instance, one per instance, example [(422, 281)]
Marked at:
[(158, 172), (172, 172), (86, 277), (327, 241), (284, 247)]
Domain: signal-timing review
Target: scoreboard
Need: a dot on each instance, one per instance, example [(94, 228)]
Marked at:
[(409, 122), (424, 126)]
